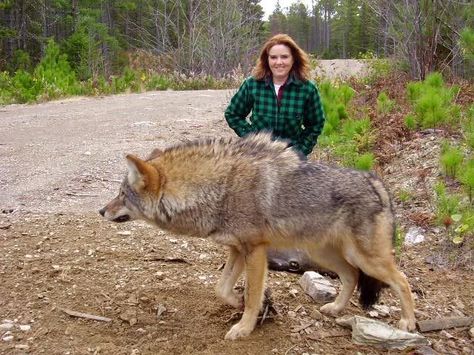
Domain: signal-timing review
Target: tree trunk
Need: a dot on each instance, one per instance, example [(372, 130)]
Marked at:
[(75, 14), (105, 17)]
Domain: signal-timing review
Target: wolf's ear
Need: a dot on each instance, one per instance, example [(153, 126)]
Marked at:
[(143, 175), (154, 154)]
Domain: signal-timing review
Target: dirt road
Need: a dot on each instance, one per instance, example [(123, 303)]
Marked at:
[(66, 156)]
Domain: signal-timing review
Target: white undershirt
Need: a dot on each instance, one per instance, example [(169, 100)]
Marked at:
[(277, 87)]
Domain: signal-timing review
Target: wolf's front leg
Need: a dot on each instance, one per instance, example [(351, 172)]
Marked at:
[(232, 270), (256, 269)]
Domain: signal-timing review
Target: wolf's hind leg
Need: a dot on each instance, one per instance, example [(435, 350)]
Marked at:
[(232, 270), (385, 270), (331, 259), (256, 269)]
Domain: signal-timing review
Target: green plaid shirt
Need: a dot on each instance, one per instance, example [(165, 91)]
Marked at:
[(298, 117)]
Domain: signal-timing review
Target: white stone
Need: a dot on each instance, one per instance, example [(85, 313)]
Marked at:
[(414, 236), (374, 314), (317, 287), (6, 326), (383, 310), (25, 327), (22, 347), (371, 332)]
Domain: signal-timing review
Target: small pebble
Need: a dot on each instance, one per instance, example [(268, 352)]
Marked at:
[(6, 326), (25, 327)]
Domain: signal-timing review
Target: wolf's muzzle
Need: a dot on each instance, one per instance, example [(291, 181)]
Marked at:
[(120, 219)]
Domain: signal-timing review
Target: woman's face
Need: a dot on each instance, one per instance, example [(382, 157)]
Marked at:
[(280, 62)]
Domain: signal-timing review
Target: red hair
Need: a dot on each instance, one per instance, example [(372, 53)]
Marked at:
[(300, 68)]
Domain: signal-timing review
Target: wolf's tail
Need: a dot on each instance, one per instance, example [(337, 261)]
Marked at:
[(369, 289)]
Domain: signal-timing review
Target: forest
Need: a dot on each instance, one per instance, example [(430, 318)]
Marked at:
[(219, 38)]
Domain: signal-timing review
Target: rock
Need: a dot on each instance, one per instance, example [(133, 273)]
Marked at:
[(471, 333), (371, 332), (124, 233), (438, 346), (203, 256), (161, 309), (424, 350), (293, 292), (445, 334), (6, 326), (316, 314), (25, 327), (383, 310), (414, 236), (374, 314), (317, 287), (130, 316), (7, 336)]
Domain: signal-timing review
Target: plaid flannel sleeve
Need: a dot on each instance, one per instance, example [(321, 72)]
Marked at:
[(313, 122), (239, 107)]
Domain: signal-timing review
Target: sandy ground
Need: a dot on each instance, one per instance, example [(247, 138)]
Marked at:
[(61, 161), (342, 68)]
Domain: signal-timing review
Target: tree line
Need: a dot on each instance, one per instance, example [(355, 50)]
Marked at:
[(218, 37)]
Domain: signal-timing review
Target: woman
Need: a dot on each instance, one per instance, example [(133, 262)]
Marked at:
[(284, 101), (280, 96)]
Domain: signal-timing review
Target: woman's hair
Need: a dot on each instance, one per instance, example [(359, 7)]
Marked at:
[(301, 66)]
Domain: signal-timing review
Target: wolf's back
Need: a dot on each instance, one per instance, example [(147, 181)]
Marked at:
[(320, 200)]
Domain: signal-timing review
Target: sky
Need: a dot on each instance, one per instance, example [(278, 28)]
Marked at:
[(269, 5)]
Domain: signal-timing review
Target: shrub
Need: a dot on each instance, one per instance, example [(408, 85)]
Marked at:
[(158, 82), (432, 102), (54, 74), (468, 127), (26, 88), (384, 104), (364, 161), (451, 159), (446, 205), (350, 140), (6, 95), (410, 122), (467, 179), (404, 195)]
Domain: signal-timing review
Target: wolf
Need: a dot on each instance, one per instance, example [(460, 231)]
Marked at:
[(256, 192)]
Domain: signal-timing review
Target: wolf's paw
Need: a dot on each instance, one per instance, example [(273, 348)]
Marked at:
[(232, 299), (235, 300), (407, 325), (238, 331), (331, 309)]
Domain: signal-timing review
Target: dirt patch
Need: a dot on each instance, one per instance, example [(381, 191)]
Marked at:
[(342, 68), (61, 161)]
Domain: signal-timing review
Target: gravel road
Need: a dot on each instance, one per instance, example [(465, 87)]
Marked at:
[(67, 156)]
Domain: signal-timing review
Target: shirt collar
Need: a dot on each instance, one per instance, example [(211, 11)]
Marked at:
[(292, 79)]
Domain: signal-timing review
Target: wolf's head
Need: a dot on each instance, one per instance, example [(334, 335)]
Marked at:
[(141, 189)]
